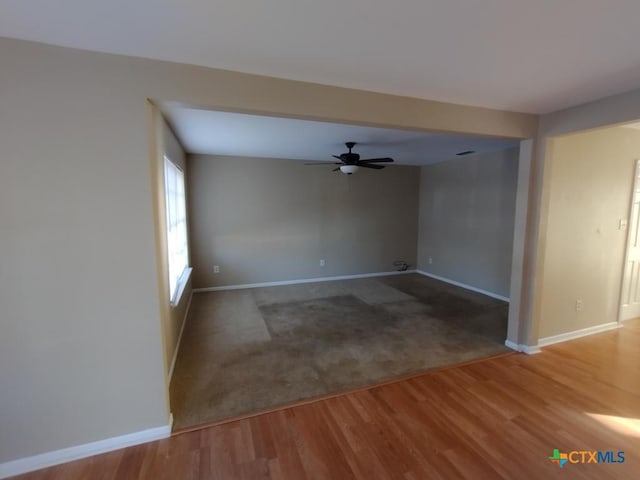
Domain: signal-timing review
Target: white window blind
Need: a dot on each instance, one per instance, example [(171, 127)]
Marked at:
[(178, 249)]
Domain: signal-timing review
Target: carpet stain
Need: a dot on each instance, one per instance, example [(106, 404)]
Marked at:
[(299, 349)]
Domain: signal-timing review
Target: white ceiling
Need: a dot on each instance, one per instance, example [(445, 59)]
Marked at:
[(223, 133), (523, 55)]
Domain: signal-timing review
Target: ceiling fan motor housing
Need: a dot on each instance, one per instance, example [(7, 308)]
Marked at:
[(350, 162), (350, 158)]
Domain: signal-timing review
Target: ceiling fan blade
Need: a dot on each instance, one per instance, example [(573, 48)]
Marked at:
[(377, 160), (370, 165), (338, 157), (335, 169), (323, 163)]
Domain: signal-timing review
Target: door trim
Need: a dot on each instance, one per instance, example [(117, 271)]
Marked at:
[(627, 248)]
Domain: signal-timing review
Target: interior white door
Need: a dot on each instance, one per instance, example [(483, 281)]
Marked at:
[(630, 295)]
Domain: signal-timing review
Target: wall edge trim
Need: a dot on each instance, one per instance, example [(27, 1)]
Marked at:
[(522, 348), (184, 322), (56, 457), (583, 332), (298, 281), (464, 285)]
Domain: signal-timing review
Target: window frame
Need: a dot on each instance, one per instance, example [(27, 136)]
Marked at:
[(178, 283)]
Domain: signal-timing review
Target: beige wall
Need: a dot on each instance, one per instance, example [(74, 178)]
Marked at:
[(606, 111), (82, 344), (265, 220), (467, 208), (591, 177), (172, 316)]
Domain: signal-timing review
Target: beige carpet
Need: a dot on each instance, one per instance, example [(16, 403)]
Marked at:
[(248, 350)]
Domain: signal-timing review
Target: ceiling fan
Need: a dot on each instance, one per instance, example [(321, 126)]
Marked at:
[(350, 162)]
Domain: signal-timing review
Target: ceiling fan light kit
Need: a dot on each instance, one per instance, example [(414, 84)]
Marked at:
[(350, 162), (349, 169)]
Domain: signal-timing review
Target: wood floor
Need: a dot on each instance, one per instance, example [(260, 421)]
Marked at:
[(499, 418)]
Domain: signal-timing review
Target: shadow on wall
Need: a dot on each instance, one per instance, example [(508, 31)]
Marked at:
[(466, 223)]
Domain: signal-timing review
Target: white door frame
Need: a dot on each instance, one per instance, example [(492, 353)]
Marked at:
[(629, 243)]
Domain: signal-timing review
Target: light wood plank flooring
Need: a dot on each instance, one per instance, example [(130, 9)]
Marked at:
[(497, 418)]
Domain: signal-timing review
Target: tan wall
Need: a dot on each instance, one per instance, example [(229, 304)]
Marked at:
[(82, 345), (266, 220), (606, 111), (467, 208), (172, 316), (591, 177)]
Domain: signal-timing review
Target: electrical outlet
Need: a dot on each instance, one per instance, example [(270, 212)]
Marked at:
[(430, 260), (322, 262), (216, 269), (578, 305)]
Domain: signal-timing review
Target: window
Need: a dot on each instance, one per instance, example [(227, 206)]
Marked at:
[(178, 250)]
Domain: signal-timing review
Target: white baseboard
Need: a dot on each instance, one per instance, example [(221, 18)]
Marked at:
[(528, 349), (583, 332), (302, 280), (49, 459), (184, 322), (464, 285)]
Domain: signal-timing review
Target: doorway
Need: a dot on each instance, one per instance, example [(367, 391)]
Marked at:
[(630, 290), (589, 187)]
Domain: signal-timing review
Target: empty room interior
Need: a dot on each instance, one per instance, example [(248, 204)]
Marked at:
[(415, 253), (270, 242)]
